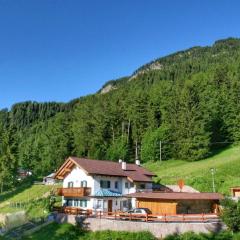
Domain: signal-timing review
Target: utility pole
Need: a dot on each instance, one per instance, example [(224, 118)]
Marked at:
[(160, 151), (213, 170), (136, 151)]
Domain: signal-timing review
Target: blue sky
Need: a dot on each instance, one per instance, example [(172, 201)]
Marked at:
[(57, 50)]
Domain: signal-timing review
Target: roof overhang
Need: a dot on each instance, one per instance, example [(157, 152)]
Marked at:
[(176, 196), (66, 168)]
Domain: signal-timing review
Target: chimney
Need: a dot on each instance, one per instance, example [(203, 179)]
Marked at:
[(137, 162), (124, 166), (120, 160)]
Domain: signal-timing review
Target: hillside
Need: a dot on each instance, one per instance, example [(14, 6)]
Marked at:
[(188, 101), (31, 198), (198, 175)]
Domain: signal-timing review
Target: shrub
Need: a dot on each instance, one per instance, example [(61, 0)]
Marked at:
[(201, 236), (231, 214)]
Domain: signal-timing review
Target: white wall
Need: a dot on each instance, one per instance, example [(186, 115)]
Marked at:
[(76, 176), (112, 180)]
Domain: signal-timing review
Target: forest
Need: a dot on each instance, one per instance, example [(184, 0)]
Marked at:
[(183, 106)]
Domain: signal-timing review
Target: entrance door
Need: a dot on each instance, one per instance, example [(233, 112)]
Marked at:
[(109, 205)]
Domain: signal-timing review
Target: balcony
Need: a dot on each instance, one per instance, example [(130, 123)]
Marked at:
[(74, 192)]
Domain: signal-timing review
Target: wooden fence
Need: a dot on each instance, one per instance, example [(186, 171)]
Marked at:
[(116, 215)]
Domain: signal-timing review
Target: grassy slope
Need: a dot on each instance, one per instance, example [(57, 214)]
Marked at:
[(56, 231), (197, 174), (23, 194)]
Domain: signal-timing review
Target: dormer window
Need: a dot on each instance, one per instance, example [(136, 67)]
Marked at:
[(126, 185), (105, 184), (116, 185), (70, 184)]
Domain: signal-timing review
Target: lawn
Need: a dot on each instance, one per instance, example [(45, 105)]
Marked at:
[(31, 198), (56, 231), (198, 175)]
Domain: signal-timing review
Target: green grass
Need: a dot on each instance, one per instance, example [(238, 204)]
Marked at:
[(31, 197), (197, 174), (56, 231), (26, 193)]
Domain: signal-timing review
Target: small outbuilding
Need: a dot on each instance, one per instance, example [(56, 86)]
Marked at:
[(50, 179)]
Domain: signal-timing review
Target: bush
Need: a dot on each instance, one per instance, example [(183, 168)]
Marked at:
[(201, 236), (231, 214)]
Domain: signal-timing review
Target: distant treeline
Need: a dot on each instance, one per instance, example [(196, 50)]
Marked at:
[(191, 104)]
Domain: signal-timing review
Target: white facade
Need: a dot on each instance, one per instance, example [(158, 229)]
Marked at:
[(121, 185)]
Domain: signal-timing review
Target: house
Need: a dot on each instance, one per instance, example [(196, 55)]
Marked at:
[(23, 173), (50, 179), (101, 185), (119, 186)]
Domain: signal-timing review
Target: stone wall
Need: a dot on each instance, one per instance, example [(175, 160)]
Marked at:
[(157, 229), (12, 220)]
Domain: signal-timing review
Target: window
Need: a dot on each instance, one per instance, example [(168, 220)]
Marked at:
[(84, 183), (131, 185), (116, 184), (142, 186), (138, 211), (105, 184), (99, 204), (70, 184), (126, 184), (76, 203), (83, 203), (69, 202)]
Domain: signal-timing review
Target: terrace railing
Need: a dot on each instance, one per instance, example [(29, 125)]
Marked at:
[(74, 192), (116, 215)]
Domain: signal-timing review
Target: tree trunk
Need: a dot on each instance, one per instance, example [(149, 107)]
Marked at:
[(129, 125)]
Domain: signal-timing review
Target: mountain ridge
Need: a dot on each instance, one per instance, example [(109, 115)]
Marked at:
[(188, 105)]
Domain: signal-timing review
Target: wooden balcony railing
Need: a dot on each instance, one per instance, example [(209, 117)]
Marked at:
[(74, 192)]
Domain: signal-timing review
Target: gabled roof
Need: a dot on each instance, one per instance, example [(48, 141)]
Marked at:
[(133, 172), (176, 196)]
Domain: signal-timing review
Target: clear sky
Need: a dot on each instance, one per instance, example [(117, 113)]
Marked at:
[(57, 50)]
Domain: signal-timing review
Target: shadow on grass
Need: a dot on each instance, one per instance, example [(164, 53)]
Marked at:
[(214, 151), (9, 194), (217, 149)]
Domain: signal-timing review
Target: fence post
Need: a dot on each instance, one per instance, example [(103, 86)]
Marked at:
[(165, 217), (183, 218), (100, 214), (130, 216), (203, 217), (115, 216), (146, 217)]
